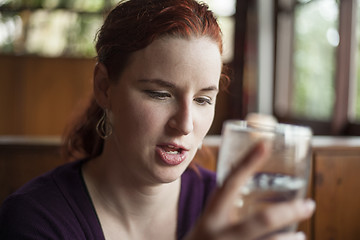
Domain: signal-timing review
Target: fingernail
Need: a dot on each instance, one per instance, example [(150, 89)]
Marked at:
[(310, 205), (300, 236)]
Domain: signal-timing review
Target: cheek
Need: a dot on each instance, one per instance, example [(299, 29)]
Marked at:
[(139, 117), (150, 117), (203, 122)]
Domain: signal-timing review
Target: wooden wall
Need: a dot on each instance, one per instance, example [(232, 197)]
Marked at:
[(336, 189), (22, 159), (38, 95)]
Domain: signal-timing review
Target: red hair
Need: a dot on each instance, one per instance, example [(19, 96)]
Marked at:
[(131, 26)]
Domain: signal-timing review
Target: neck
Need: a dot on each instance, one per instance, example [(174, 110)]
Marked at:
[(128, 202), (132, 200), (119, 189)]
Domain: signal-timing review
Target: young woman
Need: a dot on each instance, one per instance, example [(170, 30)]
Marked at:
[(158, 73)]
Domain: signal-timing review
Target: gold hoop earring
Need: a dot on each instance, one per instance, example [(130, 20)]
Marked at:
[(104, 127)]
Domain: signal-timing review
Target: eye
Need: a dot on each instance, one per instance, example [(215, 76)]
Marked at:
[(158, 94), (203, 100)]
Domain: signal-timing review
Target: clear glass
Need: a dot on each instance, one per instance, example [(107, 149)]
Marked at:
[(316, 38), (285, 174)]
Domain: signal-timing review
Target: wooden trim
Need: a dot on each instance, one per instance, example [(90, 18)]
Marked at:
[(236, 88), (283, 67), (344, 66)]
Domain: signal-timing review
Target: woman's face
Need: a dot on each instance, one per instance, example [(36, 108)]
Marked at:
[(163, 105)]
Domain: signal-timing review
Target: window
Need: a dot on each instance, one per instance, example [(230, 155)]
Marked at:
[(225, 11), (315, 40), (50, 27), (56, 28), (316, 68)]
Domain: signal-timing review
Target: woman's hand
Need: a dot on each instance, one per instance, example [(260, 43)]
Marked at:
[(216, 223)]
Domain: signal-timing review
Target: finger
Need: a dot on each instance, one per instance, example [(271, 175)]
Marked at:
[(224, 198), (274, 218)]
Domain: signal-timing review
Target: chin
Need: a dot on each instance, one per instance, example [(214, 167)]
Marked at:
[(170, 174)]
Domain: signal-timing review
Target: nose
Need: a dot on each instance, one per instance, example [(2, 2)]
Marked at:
[(182, 119)]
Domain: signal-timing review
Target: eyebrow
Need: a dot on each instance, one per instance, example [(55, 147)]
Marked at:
[(211, 88), (159, 82), (166, 84)]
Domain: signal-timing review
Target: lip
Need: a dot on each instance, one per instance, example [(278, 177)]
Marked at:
[(171, 153)]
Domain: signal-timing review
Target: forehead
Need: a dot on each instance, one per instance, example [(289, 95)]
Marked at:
[(173, 58), (191, 48)]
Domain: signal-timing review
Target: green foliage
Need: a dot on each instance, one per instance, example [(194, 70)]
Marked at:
[(50, 27), (314, 60)]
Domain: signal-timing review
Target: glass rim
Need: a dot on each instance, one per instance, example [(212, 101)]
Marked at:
[(277, 128)]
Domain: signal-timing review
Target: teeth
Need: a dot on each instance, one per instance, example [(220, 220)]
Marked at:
[(172, 152), (171, 149)]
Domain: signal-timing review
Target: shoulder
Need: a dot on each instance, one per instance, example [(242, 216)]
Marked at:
[(24, 215), (45, 186), (41, 209)]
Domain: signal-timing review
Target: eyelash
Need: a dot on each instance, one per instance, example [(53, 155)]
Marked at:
[(165, 95), (203, 101), (158, 95)]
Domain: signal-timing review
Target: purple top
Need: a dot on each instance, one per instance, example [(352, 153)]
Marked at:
[(56, 205)]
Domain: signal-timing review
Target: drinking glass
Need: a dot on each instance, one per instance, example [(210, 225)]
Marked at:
[(284, 176)]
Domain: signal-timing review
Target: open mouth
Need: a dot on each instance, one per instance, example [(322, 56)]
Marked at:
[(171, 154), (172, 149)]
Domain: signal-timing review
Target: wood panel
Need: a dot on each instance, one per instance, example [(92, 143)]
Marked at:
[(38, 95), (336, 191), (22, 159), (10, 85)]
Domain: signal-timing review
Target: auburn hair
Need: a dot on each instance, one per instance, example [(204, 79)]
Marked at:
[(130, 26)]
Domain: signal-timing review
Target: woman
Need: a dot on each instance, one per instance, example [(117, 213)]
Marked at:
[(155, 86)]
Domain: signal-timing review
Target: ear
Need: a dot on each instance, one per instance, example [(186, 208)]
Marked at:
[(101, 85)]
